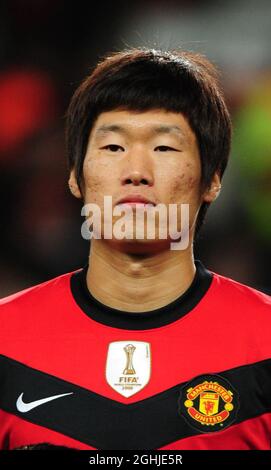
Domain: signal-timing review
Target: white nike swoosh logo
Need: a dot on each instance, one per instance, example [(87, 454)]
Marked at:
[(25, 407)]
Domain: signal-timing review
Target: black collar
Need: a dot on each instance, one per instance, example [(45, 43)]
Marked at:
[(140, 320)]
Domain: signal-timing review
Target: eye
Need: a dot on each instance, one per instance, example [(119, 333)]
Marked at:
[(113, 148), (164, 148)]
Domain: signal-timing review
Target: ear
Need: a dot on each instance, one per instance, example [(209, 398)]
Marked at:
[(73, 185), (212, 192)]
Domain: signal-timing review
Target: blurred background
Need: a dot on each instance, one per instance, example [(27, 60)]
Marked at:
[(47, 47)]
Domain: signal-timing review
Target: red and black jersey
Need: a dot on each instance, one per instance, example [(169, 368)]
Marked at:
[(195, 374)]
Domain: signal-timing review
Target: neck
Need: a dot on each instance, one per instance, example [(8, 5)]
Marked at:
[(138, 283)]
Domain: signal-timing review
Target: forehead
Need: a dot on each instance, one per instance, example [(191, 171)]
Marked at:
[(146, 122)]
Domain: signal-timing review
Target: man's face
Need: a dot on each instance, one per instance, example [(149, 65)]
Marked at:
[(153, 154)]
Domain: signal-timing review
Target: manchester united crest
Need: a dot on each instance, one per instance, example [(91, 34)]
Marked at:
[(209, 403)]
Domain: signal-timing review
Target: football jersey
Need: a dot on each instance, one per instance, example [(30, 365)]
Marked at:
[(194, 374)]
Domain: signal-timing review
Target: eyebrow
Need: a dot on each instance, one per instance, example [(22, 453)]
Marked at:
[(162, 129)]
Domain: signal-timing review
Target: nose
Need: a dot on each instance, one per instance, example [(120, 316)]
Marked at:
[(137, 170)]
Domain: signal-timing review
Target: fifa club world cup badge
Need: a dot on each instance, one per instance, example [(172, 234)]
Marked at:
[(209, 403), (128, 366)]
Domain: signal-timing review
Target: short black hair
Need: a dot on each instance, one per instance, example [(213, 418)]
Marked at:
[(142, 79)]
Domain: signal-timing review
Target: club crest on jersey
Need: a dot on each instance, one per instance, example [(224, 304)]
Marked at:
[(128, 366), (209, 403)]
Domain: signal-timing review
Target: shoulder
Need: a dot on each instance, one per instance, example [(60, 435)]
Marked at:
[(240, 295), (43, 292)]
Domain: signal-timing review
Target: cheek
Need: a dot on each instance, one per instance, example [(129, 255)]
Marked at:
[(97, 180), (184, 185)]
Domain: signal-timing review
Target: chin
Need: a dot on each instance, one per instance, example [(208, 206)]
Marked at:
[(139, 247)]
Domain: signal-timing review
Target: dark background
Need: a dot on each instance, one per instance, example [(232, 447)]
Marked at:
[(47, 47)]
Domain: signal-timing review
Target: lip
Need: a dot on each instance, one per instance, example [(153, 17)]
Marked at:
[(135, 199)]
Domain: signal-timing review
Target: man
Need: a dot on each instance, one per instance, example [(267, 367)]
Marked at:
[(143, 348)]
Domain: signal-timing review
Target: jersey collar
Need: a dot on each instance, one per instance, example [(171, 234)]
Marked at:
[(162, 316)]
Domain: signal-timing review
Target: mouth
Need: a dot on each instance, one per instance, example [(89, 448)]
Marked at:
[(135, 201)]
